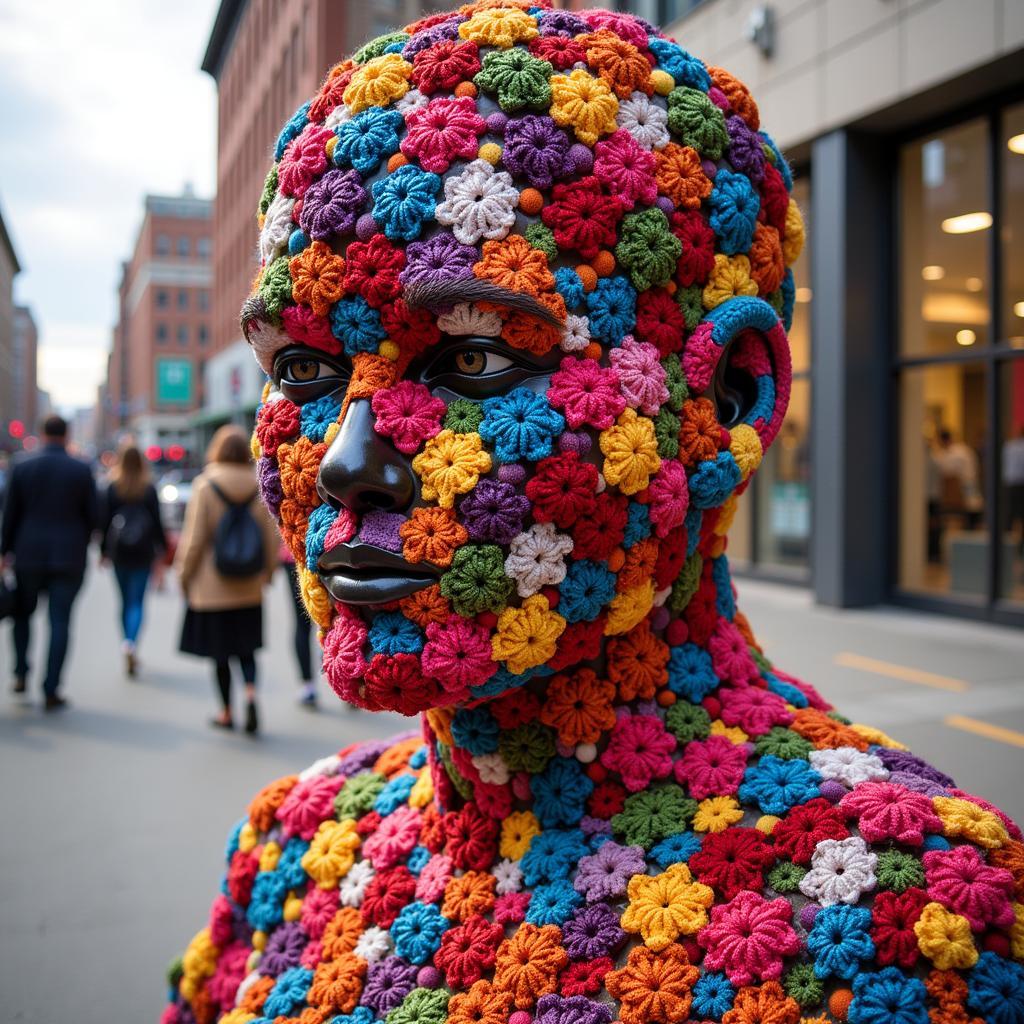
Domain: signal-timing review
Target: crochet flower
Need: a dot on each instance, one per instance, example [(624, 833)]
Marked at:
[(647, 249), (479, 203), (733, 860), (887, 995), (626, 169), (848, 765), (519, 79), (468, 950), (582, 217), (457, 654), (798, 834), (378, 83), (776, 784), (537, 149), (662, 908), (734, 208), (303, 159), (606, 873), (962, 882), (892, 929), (521, 425), (372, 270), (630, 452), (641, 375), (331, 204), (316, 277), (528, 963), (537, 558), (493, 512), (408, 414), (611, 309), (440, 258), (996, 989), (713, 766), (653, 986), (367, 139), (403, 201), (562, 489), (585, 104), (680, 176), (501, 27), (645, 121), (966, 818), (841, 871), (699, 123), (639, 750), (587, 392), (443, 131), (476, 581), (887, 811), (444, 65), (432, 535), (526, 636), (450, 464), (839, 941), (417, 931)]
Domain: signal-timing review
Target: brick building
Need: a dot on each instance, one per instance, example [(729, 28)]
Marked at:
[(24, 350), (9, 267)]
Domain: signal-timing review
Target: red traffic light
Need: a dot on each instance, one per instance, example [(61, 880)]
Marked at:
[(154, 453), (175, 452), (16, 429)]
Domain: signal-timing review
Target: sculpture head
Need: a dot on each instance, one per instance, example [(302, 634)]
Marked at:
[(523, 303)]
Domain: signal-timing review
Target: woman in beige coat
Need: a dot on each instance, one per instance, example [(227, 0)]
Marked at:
[(224, 588)]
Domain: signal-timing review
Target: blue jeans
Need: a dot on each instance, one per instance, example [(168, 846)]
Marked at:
[(132, 583), (61, 588)]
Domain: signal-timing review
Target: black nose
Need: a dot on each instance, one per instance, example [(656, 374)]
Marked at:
[(361, 470)]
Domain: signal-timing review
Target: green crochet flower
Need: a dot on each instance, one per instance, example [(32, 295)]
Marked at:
[(675, 381), (666, 432), (648, 249), (463, 416), (841, 719), (686, 583), (459, 781), (898, 871), (269, 189), (776, 301), (175, 971), (543, 238), (376, 47), (803, 985), (276, 287), (688, 721), (476, 581), (421, 1006), (691, 302), (786, 876), (783, 743), (356, 797), (653, 815), (527, 748), (519, 79), (697, 121)]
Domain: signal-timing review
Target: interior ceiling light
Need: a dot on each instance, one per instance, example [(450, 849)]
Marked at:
[(933, 272), (1017, 341), (967, 222), (1015, 144), (974, 284), (1018, 309), (966, 337), (955, 308), (803, 294)]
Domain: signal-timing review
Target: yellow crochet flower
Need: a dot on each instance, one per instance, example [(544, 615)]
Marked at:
[(945, 938), (733, 733), (238, 1016), (517, 830), (526, 636), (793, 242), (716, 814), (628, 609), (630, 452), (247, 838), (270, 856), (666, 906), (873, 735), (440, 722), (315, 597), (731, 277), (422, 791), (451, 464), (502, 27), (964, 818), (1017, 932), (745, 446), (585, 104), (724, 521), (332, 853), (378, 82), (292, 909), (200, 958)]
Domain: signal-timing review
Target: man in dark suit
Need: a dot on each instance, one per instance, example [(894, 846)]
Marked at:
[(49, 516)]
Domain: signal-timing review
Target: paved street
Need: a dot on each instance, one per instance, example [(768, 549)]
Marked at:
[(115, 813)]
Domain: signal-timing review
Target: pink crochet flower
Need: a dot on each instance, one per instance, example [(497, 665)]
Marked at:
[(641, 375), (303, 160), (458, 655), (960, 880), (343, 529), (588, 392), (511, 907), (730, 657), (222, 921), (308, 803), (225, 980), (344, 663), (625, 26), (711, 767), (304, 327), (626, 169), (639, 750), (434, 878), (408, 414), (754, 710), (318, 909), (700, 358), (670, 497), (748, 938), (312, 955), (442, 131), (394, 838), (885, 810)]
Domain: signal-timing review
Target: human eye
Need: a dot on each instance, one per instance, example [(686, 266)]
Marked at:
[(305, 375), (478, 367)]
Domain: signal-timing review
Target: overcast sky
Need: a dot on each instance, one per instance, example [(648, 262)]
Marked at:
[(100, 103)]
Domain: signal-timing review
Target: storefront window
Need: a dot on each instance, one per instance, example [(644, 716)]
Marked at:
[(1012, 233), (1011, 482)]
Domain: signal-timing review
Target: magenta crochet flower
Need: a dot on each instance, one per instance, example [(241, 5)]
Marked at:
[(394, 838), (587, 392), (711, 767), (640, 750), (408, 414), (304, 327), (343, 647), (307, 804), (318, 910), (670, 497), (605, 874), (748, 938), (343, 529), (730, 656), (700, 357), (754, 710), (442, 131), (626, 169), (885, 810), (641, 375), (434, 878), (303, 160), (961, 881), (458, 654)]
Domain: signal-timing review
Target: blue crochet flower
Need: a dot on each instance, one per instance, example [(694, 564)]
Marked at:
[(288, 993), (476, 729), (289, 864), (417, 931), (734, 208), (419, 759), (995, 989), (588, 586), (725, 601), (676, 849), (612, 309), (553, 853), (713, 995), (356, 324), (404, 201), (692, 522), (839, 940), (682, 66), (690, 672), (234, 837), (787, 691), (417, 859), (887, 997), (367, 139), (298, 240), (560, 792), (569, 286), (394, 794), (553, 903), (266, 905), (291, 130), (360, 1015), (713, 481), (777, 784), (321, 519), (520, 425), (393, 633), (638, 524), (318, 416)]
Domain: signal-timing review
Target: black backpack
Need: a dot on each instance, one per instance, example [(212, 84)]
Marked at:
[(238, 540), (131, 534)]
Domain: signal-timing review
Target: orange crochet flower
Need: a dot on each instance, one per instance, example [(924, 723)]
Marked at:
[(637, 663), (432, 535), (763, 1004), (681, 177), (342, 933), (425, 606), (767, 266), (700, 433), (316, 277), (267, 801), (256, 995), (738, 95), (295, 523), (1011, 856), (653, 988), (528, 963), (482, 1004), (370, 374), (514, 264), (396, 758), (524, 331), (338, 984), (639, 565), (299, 464), (579, 707), (947, 988), (623, 67), (469, 894), (824, 732)]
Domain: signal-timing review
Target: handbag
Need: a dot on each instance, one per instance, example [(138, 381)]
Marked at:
[(7, 596)]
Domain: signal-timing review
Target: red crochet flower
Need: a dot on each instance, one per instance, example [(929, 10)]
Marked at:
[(411, 328), (388, 892), (442, 131), (598, 535), (304, 327), (660, 321), (472, 839), (607, 799), (277, 422), (241, 874), (640, 750), (701, 613), (408, 414), (697, 259), (561, 51), (330, 94), (671, 556), (372, 269), (441, 67), (562, 490), (733, 860), (468, 950), (892, 929), (516, 708), (581, 641), (582, 217), (396, 683), (774, 199), (585, 979), (806, 825)]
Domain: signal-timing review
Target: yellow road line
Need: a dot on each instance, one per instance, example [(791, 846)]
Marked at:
[(903, 672), (989, 731)]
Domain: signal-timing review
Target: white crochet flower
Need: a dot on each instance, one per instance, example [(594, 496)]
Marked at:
[(841, 870), (575, 334), (848, 765), (492, 769), (479, 203), (508, 876), (644, 120), (537, 558), (467, 318), (325, 766), (339, 115), (245, 984), (412, 100), (277, 228), (353, 886), (373, 945)]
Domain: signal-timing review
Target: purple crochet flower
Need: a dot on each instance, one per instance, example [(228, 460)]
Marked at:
[(435, 34), (606, 874), (561, 23), (363, 756), (284, 949), (331, 205), (556, 1009), (388, 982), (745, 152), (591, 826), (493, 512), (904, 761), (269, 479), (439, 258), (536, 148), (381, 530), (592, 931), (918, 784)]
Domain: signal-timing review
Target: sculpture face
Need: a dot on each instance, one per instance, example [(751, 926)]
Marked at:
[(503, 255)]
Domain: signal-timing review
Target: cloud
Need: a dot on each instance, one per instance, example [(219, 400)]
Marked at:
[(72, 363)]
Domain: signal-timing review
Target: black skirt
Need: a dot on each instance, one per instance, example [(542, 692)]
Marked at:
[(225, 633)]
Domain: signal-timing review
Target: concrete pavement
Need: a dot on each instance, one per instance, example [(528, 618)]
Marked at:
[(116, 812)]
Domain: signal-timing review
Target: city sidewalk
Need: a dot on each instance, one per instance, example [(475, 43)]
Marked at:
[(116, 812)]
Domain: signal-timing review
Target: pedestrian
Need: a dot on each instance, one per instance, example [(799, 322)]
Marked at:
[(132, 541), (301, 636), (227, 552), (49, 517)]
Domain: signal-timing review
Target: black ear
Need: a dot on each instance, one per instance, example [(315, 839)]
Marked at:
[(734, 390)]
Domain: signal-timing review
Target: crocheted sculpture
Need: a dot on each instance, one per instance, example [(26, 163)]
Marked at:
[(539, 259)]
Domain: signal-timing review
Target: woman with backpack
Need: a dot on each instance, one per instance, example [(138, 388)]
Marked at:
[(227, 552), (132, 539)]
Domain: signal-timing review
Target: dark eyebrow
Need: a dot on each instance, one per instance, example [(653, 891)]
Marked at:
[(439, 295)]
